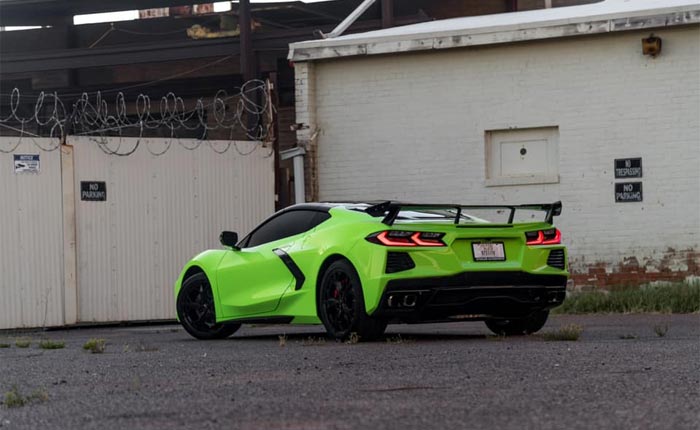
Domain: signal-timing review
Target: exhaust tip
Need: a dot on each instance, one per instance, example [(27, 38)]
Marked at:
[(409, 300)]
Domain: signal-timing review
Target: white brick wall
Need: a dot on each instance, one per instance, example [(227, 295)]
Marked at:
[(411, 127)]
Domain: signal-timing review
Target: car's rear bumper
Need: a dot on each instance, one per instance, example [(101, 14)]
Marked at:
[(470, 296)]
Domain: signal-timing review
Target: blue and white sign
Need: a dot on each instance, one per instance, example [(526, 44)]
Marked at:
[(27, 163)]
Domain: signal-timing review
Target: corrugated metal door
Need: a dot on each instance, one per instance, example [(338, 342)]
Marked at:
[(31, 234), (158, 213)]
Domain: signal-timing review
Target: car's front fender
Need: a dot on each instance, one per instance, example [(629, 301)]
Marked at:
[(207, 262)]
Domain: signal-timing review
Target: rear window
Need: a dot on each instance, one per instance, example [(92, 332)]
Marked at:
[(437, 215)]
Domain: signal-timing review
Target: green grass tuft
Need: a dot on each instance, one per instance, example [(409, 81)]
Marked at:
[(15, 399), (39, 395), (50, 344), (313, 341), (23, 343), (4, 345), (661, 329), (569, 332), (674, 298), (95, 346)]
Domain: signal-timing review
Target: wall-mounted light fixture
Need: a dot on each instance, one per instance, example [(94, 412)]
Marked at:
[(651, 45)]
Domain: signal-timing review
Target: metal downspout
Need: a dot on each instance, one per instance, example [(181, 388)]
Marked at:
[(297, 154)]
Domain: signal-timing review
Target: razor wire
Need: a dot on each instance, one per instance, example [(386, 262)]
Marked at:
[(243, 116)]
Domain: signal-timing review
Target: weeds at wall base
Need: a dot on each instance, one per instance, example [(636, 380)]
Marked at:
[(673, 298)]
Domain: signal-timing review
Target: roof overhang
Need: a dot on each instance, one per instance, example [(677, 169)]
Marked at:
[(604, 17)]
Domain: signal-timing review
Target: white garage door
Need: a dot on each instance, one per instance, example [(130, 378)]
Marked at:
[(141, 217), (31, 241)]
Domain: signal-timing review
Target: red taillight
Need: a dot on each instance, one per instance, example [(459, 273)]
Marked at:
[(534, 237), (550, 236), (427, 239), (406, 238), (395, 240), (553, 240)]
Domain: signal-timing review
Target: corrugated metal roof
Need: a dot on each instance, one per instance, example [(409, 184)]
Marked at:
[(606, 16)]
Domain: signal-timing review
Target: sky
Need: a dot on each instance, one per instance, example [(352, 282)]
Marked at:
[(130, 15), (134, 14)]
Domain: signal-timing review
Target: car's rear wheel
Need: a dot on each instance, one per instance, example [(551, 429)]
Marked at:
[(518, 326), (341, 305), (195, 309)]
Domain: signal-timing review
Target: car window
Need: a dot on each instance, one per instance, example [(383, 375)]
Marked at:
[(284, 225)]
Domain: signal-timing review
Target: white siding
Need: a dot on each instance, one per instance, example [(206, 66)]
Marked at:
[(160, 212), (31, 238), (411, 127)]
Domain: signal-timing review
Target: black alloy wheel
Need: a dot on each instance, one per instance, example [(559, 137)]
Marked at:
[(195, 309), (518, 326), (342, 306)]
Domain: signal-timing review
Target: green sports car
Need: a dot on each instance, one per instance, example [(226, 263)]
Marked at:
[(355, 267)]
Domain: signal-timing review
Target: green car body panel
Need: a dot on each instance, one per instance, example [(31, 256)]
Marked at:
[(255, 283)]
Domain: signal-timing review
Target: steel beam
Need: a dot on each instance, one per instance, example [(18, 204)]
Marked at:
[(78, 58), (387, 13), (319, 13), (96, 57), (349, 20), (246, 42)]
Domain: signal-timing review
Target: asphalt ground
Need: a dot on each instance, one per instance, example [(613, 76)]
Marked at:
[(620, 374)]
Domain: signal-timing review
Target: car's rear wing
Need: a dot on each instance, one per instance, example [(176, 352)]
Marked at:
[(390, 210)]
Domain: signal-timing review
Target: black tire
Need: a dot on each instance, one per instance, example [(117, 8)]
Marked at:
[(195, 309), (341, 305), (519, 326)]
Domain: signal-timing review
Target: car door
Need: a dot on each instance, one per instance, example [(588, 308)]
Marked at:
[(253, 279)]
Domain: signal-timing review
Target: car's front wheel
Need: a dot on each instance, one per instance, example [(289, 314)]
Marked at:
[(195, 309), (518, 326), (341, 305)]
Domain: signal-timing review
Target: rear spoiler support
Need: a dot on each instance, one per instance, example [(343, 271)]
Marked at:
[(390, 210)]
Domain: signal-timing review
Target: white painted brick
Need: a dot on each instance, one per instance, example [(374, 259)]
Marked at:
[(411, 127)]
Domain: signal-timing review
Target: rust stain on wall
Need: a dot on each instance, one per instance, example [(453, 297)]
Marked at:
[(672, 266)]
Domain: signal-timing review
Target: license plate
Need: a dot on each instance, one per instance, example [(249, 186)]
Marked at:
[(488, 251)]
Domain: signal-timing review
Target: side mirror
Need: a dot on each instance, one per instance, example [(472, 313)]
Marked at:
[(229, 239)]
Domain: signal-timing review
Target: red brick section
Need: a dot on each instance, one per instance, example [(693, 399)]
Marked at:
[(673, 266)]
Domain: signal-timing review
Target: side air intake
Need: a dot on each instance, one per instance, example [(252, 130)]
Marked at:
[(557, 259), (398, 262)]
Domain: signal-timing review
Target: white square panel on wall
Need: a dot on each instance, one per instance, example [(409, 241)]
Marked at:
[(522, 156)]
